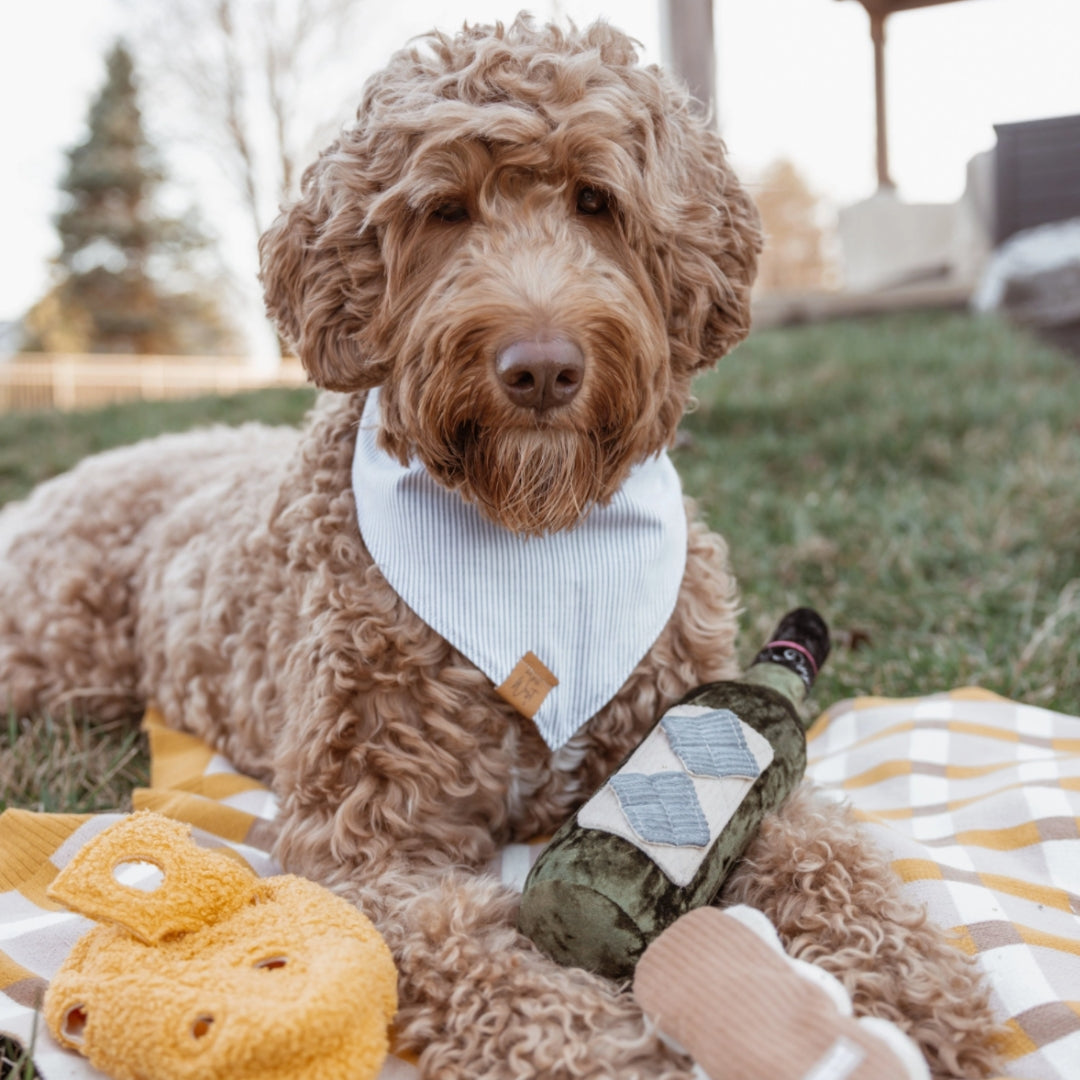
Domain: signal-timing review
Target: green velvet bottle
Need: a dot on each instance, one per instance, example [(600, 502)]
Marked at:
[(662, 833)]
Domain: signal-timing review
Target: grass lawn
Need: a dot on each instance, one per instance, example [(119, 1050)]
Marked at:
[(37, 445), (915, 478)]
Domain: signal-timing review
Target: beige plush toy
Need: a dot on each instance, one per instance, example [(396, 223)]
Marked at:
[(719, 986), (200, 969)]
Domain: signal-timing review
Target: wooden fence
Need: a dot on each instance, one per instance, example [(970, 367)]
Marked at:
[(52, 381)]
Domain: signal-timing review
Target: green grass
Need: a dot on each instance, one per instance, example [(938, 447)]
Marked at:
[(16, 1062), (916, 478), (70, 764), (37, 445)]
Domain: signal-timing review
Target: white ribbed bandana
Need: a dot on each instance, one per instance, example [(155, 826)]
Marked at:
[(558, 622)]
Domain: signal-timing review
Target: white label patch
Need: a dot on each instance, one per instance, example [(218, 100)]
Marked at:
[(717, 797)]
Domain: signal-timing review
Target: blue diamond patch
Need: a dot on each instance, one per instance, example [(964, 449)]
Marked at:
[(711, 744), (662, 808)]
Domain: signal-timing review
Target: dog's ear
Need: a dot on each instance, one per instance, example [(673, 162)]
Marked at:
[(739, 238), (322, 273), (716, 238)]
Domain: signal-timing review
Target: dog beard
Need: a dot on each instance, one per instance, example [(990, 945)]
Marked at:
[(534, 482)]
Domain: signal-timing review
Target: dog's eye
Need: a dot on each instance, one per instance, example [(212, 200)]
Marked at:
[(451, 212), (591, 200)]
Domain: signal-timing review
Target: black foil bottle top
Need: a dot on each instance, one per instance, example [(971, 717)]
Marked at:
[(800, 643)]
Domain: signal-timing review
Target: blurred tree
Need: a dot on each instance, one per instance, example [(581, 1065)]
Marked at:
[(255, 88), (261, 79), (796, 255), (127, 276)]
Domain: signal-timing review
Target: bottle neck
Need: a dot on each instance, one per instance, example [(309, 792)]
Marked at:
[(778, 677), (790, 661)]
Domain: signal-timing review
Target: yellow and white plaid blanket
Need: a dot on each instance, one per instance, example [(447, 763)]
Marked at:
[(977, 800)]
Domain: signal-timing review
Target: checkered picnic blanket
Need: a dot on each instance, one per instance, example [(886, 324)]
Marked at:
[(977, 800)]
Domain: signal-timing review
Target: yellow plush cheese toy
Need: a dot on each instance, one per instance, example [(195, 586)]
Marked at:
[(199, 969)]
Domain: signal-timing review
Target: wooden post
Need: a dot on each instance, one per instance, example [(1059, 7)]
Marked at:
[(878, 11), (877, 35), (689, 47)]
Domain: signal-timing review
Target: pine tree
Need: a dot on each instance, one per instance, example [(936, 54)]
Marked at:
[(122, 266)]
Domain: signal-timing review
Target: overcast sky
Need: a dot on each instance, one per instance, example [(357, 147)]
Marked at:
[(795, 79)]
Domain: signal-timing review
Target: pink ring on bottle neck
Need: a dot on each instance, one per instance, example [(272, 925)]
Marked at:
[(798, 648)]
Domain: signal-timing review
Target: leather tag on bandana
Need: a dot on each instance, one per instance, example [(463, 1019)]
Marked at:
[(527, 685)]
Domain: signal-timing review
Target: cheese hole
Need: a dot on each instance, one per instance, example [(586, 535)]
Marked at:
[(272, 963), (201, 1027), (139, 874), (75, 1023)]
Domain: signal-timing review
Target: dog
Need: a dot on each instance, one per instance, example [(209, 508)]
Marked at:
[(504, 275)]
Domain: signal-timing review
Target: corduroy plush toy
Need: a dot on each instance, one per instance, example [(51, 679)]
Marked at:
[(200, 969), (719, 986)]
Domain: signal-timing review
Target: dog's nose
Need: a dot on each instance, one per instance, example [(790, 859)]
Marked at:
[(541, 374)]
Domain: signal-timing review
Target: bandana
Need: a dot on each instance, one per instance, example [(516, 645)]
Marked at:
[(558, 622)]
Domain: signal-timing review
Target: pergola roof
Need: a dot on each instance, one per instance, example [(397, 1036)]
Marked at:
[(889, 7)]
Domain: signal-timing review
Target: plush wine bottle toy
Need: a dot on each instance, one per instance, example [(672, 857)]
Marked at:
[(663, 832)]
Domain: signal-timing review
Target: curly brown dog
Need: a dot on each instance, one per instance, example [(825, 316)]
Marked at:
[(530, 244)]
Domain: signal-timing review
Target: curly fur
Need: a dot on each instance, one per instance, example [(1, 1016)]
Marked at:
[(223, 575)]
